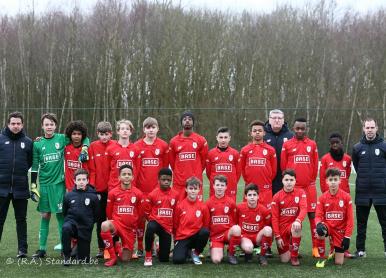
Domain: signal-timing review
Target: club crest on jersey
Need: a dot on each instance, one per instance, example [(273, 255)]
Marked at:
[(57, 146), (22, 145), (212, 209), (87, 201), (297, 199), (216, 158), (257, 218), (377, 152), (226, 209), (157, 151), (194, 145), (341, 203), (265, 152), (308, 149), (250, 151), (198, 213), (133, 199), (344, 163), (142, 152), (230, 157), (172, 202), (269, 140), (179, 148), (131, 154)]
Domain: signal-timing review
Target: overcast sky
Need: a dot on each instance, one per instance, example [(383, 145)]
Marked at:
[(12, 7)]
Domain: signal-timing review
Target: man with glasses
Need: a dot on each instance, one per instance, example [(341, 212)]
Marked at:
[(276, 133)]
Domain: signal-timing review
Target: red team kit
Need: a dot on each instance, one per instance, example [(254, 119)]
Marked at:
[(188, 156)]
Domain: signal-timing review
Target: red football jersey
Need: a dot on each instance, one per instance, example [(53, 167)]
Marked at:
[(345, 171), (99, 165), (189, 218), (336, 210), (187, 157), (302, 156), (287, 207), (222, 215), (124, 206), (224, 163), (117, 156), (71, 162), (153, 158), (252, 220), (160, 205), (258, 165)]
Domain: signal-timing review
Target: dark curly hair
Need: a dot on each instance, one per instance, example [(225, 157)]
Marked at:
[(78, 126)]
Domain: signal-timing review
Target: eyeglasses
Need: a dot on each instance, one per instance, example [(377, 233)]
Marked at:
[(276, 118)]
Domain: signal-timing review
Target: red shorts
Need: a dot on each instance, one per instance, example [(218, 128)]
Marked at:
[(285, 234), (251, 237), (336, 236), (220, 240), (265, 198), (311, 197), (126, 235)]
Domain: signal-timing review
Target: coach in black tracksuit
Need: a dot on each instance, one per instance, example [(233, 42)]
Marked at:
[(276, 133), (81, 211), (15, 160), (369, 159)]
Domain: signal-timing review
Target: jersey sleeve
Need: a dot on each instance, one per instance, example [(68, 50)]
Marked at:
[(91, 165), (283, 157), (35, 157), (319, 215), (204, 153), (172, 155), (165, 156), (110, 205), (350, 218), (302, 206), (206, 217), (322, 175), (348, 167), (176, 219), (273, 161), (267, 217), (242, 162), (275, 217), (96, 209), (315, 158), (238, 166), (208, 166)]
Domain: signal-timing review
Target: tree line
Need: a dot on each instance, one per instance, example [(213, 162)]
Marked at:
[(133, 59)]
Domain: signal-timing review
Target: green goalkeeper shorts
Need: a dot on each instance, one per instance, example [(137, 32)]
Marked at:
[(51, 198)]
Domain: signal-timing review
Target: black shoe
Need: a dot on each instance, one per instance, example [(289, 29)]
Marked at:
[(263, 260), (39, 254), (100, 254), (248, 257), (21, 255), (74, 251), (67, 261), (268, 253)]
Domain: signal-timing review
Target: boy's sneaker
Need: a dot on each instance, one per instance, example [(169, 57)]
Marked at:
[(67, 261), (268, 253), (295, 261), (263, 260), (139, 253), (39, 254), (148, 261), (248, 257), (232, 260), (196, 258), (100, 253), (360, 254)]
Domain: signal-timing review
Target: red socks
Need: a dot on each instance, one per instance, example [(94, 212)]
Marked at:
[(233, 242), (294, 247), (265, 244)]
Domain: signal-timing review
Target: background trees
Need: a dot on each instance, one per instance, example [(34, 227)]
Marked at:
[(133, 60)]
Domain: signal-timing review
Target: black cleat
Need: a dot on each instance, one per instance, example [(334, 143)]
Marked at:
[(248, 257), (21, 255), (40, 254), (263, 260), (268, 253)]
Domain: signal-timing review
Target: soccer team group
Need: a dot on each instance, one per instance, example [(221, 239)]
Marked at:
[(135, 191)]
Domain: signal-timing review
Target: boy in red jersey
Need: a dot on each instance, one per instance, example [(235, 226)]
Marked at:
[(191, 222), (258, 163), (254, 220), (122, 152), (123, 210), (338, 159), (334, 215), (289, 207), (153, 156), (99, 173), (223, 227), (77, 132), (159, 207), (301, 154), (187, 154), (224, 160)]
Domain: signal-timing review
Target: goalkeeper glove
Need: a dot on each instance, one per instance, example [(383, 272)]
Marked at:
[(321, 229), (35, 195), (83, 157), (345, 243)]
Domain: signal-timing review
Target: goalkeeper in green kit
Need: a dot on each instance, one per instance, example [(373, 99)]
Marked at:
[(48, 165)]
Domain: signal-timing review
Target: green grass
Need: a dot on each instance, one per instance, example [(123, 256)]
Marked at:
[(372, 266)]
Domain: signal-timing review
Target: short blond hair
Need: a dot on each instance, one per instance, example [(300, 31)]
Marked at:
[(150, 121), (127, 122)]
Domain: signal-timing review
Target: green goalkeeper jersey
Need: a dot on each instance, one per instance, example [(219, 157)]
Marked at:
[(48, 159)]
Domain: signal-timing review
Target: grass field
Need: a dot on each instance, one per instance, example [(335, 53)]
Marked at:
[(372, 266)]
